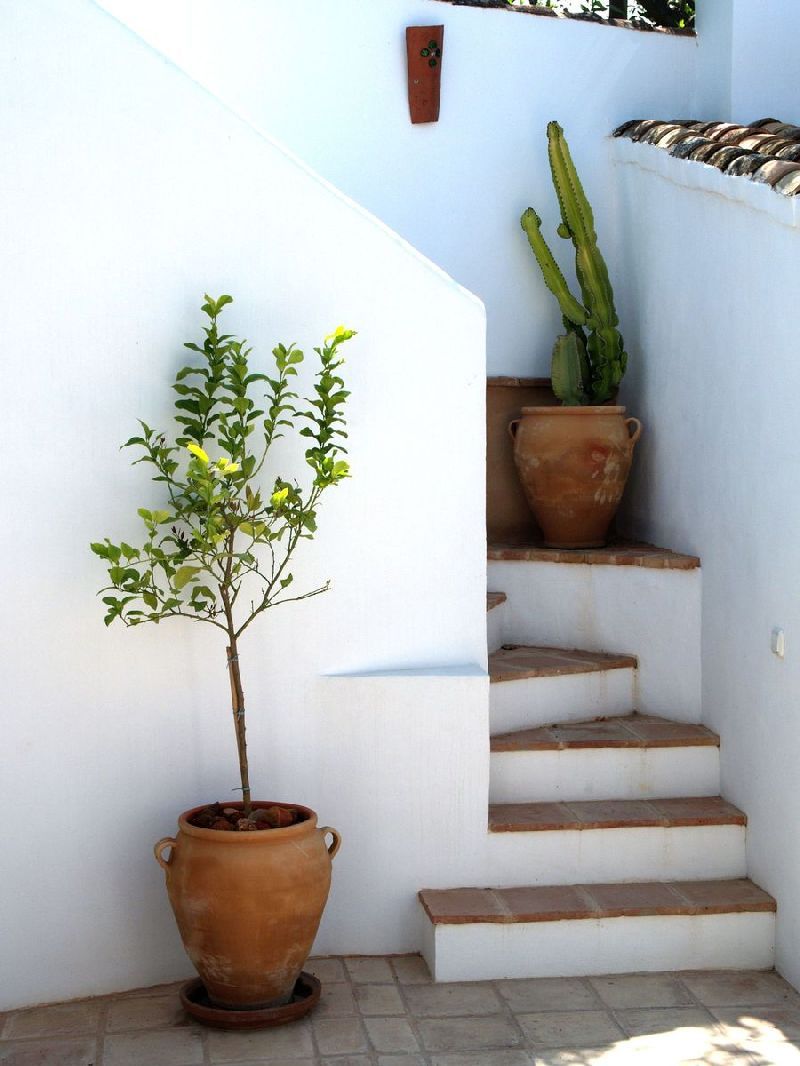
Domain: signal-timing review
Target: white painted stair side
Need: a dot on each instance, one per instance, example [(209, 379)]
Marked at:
[(495, 626), (651, 613), (578, 948), (603, 773), (597, 856), (566, 697)]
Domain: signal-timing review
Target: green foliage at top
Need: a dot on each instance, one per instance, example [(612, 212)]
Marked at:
[(590, 359), (669, 14), (217, 548)]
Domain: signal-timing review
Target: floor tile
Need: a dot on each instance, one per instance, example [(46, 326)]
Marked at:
[(178, 1047), (759, 1023), (663, 1020), (397, 1060), (339, 1036), (369, 970), (468, 1034), (483, 1058), (731, 989), (379, 999), (70, 1052), (63, 1019), (347, 1060), (391, 1034), (411, 970), (145, 1012), (548, 993), (283, 1042), (335, 1001), (641, 990), (570, 1028), (326, 970), (446, 1000)]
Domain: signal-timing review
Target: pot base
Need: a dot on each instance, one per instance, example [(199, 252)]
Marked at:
[(195, 1001), (573, 547)]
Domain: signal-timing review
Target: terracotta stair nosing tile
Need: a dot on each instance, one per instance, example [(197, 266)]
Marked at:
[(621, 553), (494, 599), (518, 662), (587, 815), (617, 732), (546, 903)]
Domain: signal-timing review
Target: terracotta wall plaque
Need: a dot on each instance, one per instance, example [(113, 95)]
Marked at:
[(424, 46)]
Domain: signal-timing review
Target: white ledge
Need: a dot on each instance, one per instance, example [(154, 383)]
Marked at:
[(689, 174)]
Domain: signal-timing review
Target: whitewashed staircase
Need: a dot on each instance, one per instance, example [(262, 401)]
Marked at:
[(605, 828)]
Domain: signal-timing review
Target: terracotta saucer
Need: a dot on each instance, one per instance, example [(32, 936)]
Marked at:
[(305, 997)]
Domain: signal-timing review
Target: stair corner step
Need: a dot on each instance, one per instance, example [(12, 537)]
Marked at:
[(494, 599)]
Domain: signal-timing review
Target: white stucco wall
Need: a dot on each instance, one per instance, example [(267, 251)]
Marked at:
[(329, 80), (127, 192), (711, 290), (747, 60)]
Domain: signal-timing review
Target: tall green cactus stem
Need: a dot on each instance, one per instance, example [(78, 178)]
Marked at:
[(601, 363)]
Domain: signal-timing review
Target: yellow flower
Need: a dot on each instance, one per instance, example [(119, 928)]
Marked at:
[(198, 452)]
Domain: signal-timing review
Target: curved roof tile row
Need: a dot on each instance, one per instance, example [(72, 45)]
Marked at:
[(766, 151)]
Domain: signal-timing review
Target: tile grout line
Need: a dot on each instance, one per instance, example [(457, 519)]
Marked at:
[(409, 1014)]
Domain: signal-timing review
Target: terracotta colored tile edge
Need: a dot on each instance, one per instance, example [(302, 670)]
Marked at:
[(654, 559)]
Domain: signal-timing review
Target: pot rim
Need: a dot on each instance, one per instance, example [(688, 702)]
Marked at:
[(262, 836), (587, 409)]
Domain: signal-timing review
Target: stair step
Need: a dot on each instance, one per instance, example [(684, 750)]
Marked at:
[(629, 757), (515, 662), (617, 553), (474, 934), (613, 814), (554, 903), (626, 731), (494, 599)]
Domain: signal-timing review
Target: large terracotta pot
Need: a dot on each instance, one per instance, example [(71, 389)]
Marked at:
[(573, 463), (248, 905)]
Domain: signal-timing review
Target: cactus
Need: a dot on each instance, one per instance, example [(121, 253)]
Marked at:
[(586, 369)]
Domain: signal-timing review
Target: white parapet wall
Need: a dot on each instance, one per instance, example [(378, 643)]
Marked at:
[(128, 192)]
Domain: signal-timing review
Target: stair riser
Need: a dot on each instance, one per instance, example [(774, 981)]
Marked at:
[(567, 698), (572, 948), (495, 627), (594, 856), (653, 614), (603, 773)]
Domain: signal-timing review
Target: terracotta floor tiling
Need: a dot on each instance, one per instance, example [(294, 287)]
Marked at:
[(734, 895), (727, 1019), (514, 662)]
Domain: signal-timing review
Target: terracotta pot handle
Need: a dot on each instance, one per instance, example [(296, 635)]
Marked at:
[(159, 847), (336, 843), (512, 428), (637, 432)]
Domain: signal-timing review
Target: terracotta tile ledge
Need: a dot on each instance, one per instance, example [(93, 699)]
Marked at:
[(624, 731), (515, 662), (548, 903), (618, 553), (613, 814)]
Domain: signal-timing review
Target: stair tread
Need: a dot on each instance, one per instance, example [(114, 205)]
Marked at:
[(494, 599), (513, 662), (625, 731), (613, 814), (549, 903), (617, 553)]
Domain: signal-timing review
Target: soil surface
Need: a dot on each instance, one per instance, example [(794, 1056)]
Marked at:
[(230, 819)]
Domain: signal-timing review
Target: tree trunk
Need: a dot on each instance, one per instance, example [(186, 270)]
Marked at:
[(237, 705)]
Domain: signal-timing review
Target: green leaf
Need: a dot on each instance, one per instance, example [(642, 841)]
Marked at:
[(183, 575)]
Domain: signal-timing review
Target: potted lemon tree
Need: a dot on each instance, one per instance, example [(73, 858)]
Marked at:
[(247, 880)]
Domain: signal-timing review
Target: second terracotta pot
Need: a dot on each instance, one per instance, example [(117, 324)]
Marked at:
[(573, 463), (248, 905)]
